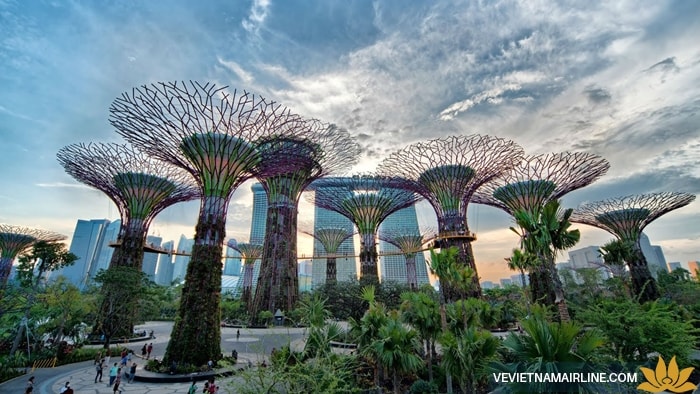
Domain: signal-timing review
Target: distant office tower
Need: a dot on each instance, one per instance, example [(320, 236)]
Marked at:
[(487, 284), (674, 265), (506, 282), (694, 268), (164, 271), (346, 268), (305, 275), (105, 251), (87, 239), (232, 259), (393, 267), (184, 245), (258, 224), (150, 260), (588, 257), (654, 255), (517, 280)]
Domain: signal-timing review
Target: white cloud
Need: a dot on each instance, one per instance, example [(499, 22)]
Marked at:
[(256, 18)]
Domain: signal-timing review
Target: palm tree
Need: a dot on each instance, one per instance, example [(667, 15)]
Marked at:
[(616, 254), (467, 355), (552, 347), (544, 233), (422, 313), (366, 330), (522, 261), (396, 349)]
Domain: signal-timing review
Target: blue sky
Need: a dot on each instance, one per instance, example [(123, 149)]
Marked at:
[(620, 79)]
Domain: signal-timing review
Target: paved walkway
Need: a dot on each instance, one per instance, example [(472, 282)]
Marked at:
[(253, 345)]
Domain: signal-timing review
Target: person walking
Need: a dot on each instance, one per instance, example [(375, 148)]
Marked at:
[(238, 334), (113, 372), (29, 388), (118, 381), (149, 349), (132, 372), (143, 350), (65, 388), (193, 388), (98, 370)]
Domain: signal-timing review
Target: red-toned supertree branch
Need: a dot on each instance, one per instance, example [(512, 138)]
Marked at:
[(141, 187), (530, 185), (331, 239), (15, 240), (447, 172), (366, 201), (209, 132), (288, 164), (250, 253), (409, 243), (626, 218)]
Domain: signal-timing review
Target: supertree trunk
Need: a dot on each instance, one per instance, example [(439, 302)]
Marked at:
[(248, 284), (411, 275), (643, 284), (196, 335), (331, 270), (278, 283), (456, 232), (542, 284), (368, 258)]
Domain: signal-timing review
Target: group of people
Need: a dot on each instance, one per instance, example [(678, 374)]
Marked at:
[(209, 387), (146, 350), (115, 372)]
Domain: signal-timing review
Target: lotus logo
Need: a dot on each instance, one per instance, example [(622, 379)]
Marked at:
[(663, 378)]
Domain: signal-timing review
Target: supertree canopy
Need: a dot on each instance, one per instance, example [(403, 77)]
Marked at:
[(15, 240), (447, 172), (626, 218), (209, 132), (528, 186), (331, 239), (366, 201), (409, 243), (250, 253), (288, 164)]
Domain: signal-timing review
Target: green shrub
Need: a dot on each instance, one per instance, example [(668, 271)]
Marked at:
[(423, 387)]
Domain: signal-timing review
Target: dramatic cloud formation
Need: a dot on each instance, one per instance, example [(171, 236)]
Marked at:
[(620, 79)]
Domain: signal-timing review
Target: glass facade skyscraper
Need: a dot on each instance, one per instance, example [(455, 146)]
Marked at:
[(87, 242), (164, 271), (150, 260), (258, 224), (184, 245), (393, 266)]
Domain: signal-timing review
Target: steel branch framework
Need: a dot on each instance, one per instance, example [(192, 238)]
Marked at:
[(447, 172), (288, 164), (209, 132), (331, 239), (15, 240), (250, 253), (409, 243), (529, 186), (366, 201), (626, 218)]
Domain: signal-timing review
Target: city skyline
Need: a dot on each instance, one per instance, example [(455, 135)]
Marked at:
[(617, 79)]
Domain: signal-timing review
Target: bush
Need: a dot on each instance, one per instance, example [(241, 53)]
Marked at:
[(423, 387)]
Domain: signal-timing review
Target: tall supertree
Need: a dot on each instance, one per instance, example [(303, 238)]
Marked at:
[(250, 254), (530, 185), (331, 239), (626, 218), (15, 240), (288, 164), (141, 187), (409, 244), (209, 132), (366, 201), (447, 172)]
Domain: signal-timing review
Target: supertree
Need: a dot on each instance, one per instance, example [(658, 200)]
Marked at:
[(409, 244), (15, 240), (207, 131), (447, 172), (366, 200), (141, 187), (528, 187), (288, 164), (626, 218), (250, 253), (331, 239)]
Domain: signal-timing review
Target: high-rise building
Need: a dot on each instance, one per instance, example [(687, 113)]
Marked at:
[(106, 250), (164, 271), (346, 265), (150, 260), (232, 259), (653, 254), (487, 284), (87, 239), (393, 265), (184, 245), (517, 280), (506, 282), (674, 265), (588, 257), (305, 275), (694, 268), (258, 225)]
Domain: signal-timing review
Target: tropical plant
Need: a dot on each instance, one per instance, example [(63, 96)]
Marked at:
[(467, 356), (396, 349), (366, 330), (422, 313)]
